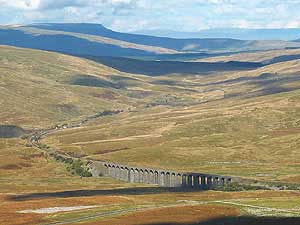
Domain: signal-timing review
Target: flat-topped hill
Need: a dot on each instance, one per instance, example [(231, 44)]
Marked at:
[(96, 40)]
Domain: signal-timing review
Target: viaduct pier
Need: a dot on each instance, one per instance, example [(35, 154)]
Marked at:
[(163, 178)]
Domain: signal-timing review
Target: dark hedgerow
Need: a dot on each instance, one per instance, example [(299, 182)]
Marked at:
[(77, 167), (232, 187)]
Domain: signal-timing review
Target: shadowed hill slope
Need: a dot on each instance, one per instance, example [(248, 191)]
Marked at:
[(235, 33), (157, 68), (194, 44), (228, 122), (231, 118), (264, 57), (96, 40), (41, 88), (9, 131), (36, 87), (67, 43), (170, 43), (243, 123)]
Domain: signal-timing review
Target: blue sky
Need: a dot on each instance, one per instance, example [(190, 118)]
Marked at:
[(180, 15)]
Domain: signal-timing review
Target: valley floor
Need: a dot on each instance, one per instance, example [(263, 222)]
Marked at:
[(38, 190), (242, 123)]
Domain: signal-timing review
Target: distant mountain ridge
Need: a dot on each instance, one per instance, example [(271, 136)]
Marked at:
[(64, 43), (95, 40), (191, 44), (286, 34)]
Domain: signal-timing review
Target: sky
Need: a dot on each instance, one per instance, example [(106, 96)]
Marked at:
[(178, 15)]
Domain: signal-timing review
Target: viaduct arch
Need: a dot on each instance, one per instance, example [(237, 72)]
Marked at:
[(163, 178)]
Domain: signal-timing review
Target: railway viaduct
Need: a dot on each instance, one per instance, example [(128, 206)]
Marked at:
[(161, 178)]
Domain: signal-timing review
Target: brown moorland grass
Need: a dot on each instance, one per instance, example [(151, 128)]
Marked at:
[(99, 39), (37, 88), (228, 137), (246, 135), (49, 179), (165, 207), (259, 56), (26, 171), (172, 215)]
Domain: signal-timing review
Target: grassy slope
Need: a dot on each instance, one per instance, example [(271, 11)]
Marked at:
[(104, 40), (33, 90), (239, 123), (36, 90), (42, 88), (109, 42), (25, 171), (180, 133), (252, 130), (182, 45), (260, 56)]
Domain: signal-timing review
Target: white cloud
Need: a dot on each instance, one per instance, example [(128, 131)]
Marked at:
[(185, 15), (293, 24), (20, 4), (72, 10), (116, 2), (245, 24), (58, 4)]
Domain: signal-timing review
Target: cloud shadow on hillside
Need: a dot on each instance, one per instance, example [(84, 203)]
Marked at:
[(160, 68), (242, 220), (107, 192)]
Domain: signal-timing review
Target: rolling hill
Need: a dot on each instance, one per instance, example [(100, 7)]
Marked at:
[(36, 88), (224, 118), (238, 121), (263, 57), (169, 43), (42, 88), (287, 34), (158, 68), (183, 45), (96, 40), (243, 123), (72, 43)]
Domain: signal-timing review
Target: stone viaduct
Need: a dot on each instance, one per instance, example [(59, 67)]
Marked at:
[(161, 178)]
